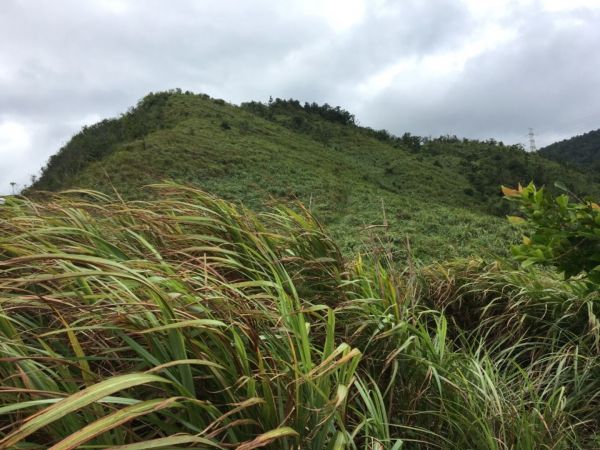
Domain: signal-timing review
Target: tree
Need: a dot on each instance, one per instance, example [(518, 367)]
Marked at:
[(559, 232)]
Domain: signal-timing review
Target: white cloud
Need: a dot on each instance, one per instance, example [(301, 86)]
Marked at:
[(15, 151), (117, 7), (13, 138), (569, 5), (340, 15)]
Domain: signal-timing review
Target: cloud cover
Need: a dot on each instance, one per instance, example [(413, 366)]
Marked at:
[(470, 68)]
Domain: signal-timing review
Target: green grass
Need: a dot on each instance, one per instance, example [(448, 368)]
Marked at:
[(443, 196), (185, 321)]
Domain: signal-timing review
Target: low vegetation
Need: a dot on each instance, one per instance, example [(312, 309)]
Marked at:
[(185, 321), (362, 184)]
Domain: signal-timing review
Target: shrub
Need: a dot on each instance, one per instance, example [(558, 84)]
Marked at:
[(559, 232)]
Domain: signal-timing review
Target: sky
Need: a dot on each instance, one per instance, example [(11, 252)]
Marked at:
[(471, 68)]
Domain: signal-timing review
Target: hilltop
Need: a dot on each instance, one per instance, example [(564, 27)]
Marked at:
[(441, 194), (581, 151)]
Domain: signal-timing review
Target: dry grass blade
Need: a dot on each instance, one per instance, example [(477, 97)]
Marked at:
[(267, 438)]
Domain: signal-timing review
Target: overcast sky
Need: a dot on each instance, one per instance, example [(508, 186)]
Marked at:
[(472, 68)]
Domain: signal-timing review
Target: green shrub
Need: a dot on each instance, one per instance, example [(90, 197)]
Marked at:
[(559, 232)]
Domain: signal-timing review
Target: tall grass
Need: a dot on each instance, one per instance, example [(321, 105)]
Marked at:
[(187, 322)]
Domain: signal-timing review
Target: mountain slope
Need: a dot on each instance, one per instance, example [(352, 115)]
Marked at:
[(582, 151), (363, 184)]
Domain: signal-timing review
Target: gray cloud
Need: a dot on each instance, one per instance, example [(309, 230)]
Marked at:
[(407, 66), (545, 78)]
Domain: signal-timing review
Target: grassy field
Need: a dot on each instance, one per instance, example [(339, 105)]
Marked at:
[(441, 195), (185, 321)]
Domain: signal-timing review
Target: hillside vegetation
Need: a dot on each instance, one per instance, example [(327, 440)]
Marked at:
[(185, 321), (440, 197), (581, 151), (344, 289)]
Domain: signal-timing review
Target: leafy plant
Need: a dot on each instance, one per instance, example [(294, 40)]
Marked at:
[(559, 232)]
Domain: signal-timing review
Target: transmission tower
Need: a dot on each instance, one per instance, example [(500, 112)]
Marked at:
[(531, 141)]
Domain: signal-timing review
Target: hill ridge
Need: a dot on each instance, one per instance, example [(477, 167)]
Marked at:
[(581, 151), (443, 193)]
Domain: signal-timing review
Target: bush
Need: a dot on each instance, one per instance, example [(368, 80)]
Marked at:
[(559, 232)]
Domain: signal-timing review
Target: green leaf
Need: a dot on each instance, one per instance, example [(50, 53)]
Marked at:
[(560, 185), (516, 220), (113, 420), (562, 200), (75, 402)]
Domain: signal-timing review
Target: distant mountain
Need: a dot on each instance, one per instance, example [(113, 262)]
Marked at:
[(581, 151), (442, 194)]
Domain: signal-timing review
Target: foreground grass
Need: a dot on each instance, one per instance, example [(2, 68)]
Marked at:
[(187, 322)]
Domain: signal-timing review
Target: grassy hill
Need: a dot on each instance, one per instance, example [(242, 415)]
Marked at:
[(581, 151), (442, 195)]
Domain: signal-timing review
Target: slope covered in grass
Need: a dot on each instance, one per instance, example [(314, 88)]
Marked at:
[(361, 183), (185, 321)]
